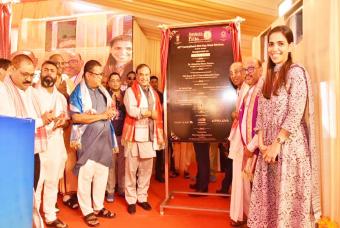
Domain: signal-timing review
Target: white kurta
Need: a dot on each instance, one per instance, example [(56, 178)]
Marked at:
[(241, 188), (53, 160), (139, 155), (235, 135), (6, 108)]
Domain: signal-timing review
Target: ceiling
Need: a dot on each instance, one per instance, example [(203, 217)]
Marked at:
[(258, 14)]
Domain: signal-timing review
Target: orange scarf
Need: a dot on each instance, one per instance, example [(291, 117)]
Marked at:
[(129, 123)]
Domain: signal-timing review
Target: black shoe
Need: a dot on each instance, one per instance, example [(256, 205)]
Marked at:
[(193, 186), (121, 194), (173, 174), (160, 179), (221, 191), (145, 205), (132, 208)]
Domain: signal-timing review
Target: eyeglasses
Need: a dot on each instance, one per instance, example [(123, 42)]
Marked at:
[(130, 78), (60, 64), (71, 62), (97, 74), (26, 74), (250, 69)]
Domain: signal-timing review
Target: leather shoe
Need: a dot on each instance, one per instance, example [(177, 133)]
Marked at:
[(132, 208), (221, 191), (193, 186), (145, 205), (160, 179), (238, 223)]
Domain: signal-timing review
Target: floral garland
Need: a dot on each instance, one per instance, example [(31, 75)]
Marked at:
[(325, 222)]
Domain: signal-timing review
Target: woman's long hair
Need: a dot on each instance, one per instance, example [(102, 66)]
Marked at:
[(270, 87), (110, 65)]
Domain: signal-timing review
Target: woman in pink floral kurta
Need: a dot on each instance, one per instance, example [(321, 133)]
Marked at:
[(285, 190)]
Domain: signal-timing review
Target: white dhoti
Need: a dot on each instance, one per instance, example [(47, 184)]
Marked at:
[(52, 167), (240, 192)]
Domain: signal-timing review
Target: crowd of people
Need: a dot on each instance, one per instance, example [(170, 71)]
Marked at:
[(97, 132)]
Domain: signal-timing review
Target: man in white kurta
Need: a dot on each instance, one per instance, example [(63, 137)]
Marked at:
[(241, 185), (142, 136), (53, 160), (18, 85), (237, 77)]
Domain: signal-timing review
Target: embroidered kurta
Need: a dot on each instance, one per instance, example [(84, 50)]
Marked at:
[(282, 192)]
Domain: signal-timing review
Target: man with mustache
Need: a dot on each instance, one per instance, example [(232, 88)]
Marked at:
[(244, 160), (73, 67), (25, 105), (54, 158), (142, 136)]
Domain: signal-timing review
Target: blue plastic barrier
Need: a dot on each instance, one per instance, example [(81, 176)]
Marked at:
[(16, 172)]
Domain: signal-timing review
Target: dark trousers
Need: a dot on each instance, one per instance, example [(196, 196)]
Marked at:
[(227, 165), (228, 175), (203, 166), (36, 170), (159, 163), (172, 160)]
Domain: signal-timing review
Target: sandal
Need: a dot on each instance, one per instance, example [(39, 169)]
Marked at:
[(91, 220), (57, 224), (238, 223), (105, 213), (72, 202)]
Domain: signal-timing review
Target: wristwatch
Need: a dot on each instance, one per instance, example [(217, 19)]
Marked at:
[(280, 141)]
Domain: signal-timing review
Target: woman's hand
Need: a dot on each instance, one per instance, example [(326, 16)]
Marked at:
[(271, 153)]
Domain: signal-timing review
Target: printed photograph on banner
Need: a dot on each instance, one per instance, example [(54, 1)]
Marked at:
[(119, 40), (60, 34)]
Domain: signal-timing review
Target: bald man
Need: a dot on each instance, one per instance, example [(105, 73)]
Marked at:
[(25, 105), (64, 85), (69, 183), (245, 158), (73, 66)]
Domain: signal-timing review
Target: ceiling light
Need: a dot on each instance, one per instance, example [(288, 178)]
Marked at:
[(285, 6)]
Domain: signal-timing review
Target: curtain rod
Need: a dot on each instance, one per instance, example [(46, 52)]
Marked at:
[(236, 19)]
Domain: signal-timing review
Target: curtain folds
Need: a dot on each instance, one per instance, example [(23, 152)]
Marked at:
[(5, 30), (236, 44), (321, 52), (164, 55)]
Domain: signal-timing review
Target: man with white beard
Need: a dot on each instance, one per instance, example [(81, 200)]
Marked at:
[(54, 158)]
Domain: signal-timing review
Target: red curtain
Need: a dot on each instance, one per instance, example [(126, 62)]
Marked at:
[(164, 55), (5, 30), (235, 42)]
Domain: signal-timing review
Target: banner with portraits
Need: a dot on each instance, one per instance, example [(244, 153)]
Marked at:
[(200, 96)]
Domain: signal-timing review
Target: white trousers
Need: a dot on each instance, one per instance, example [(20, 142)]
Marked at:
[(240, 192), (52, 164), (137, 171), (95, 174)]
